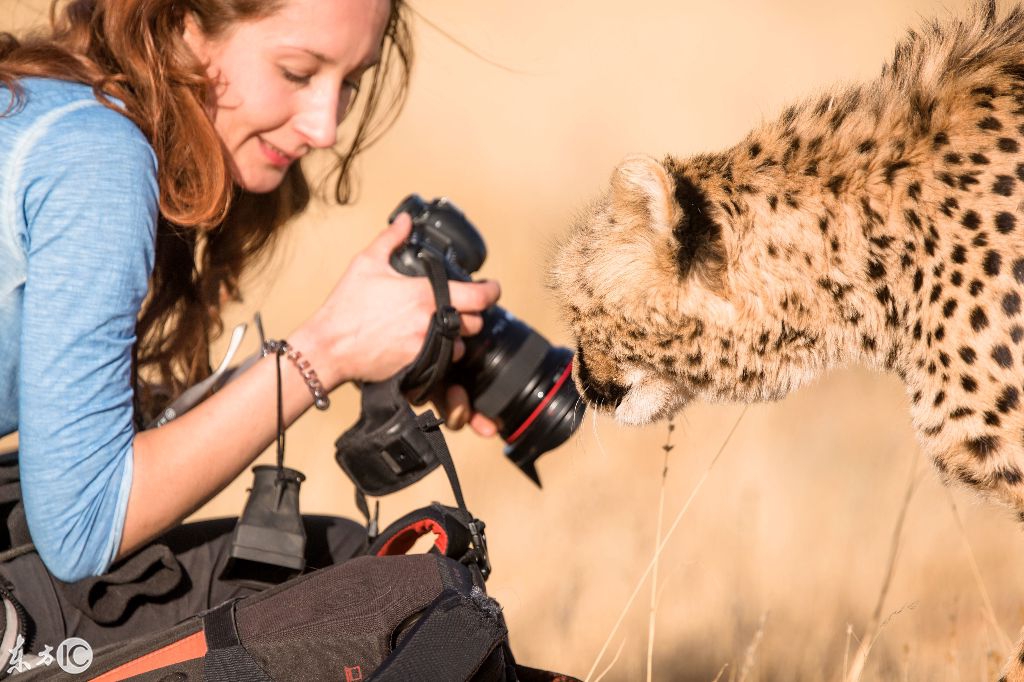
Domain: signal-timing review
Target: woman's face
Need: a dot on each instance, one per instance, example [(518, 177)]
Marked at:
[(284, 83)]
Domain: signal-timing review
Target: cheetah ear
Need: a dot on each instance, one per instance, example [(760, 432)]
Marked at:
[(681, 232), (642, 194)]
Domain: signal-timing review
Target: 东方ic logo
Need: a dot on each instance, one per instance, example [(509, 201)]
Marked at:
[(74, 655)]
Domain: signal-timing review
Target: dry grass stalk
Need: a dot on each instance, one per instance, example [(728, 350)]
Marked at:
[(874, 624), (990, 613), (720, 673), (611, 665), (952, 657), (751, 656), (676, 570), (667, 448), (661, 545), (846, 653)]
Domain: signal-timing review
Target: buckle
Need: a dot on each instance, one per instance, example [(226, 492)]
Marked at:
[(477, 555), (448, 321), (400, 449)]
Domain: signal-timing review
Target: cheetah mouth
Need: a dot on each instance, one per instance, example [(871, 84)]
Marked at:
[(639, 398), (647, 400)]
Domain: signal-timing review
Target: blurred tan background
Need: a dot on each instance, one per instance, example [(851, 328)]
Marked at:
[(793, 526)]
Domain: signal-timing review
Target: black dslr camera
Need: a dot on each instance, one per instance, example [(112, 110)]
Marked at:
[(512, 374)]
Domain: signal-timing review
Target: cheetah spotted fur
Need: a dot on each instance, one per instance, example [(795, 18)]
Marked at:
[(880, 224)]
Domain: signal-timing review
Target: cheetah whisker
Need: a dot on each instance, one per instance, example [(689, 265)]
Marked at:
[(597, 436)]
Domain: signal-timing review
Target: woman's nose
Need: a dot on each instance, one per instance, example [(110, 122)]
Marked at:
[(319, 119)]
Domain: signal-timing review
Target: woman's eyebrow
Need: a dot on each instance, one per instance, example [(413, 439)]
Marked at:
[(318, 55), (371, 62)]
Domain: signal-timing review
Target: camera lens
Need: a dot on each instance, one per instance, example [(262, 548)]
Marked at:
[(515, 377)]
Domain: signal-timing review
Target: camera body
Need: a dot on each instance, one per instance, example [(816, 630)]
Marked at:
[(513, 375)]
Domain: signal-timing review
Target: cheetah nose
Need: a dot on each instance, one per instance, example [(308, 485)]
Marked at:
[(597, 392)]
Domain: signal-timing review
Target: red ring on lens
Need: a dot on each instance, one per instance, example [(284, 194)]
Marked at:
[(543, 403)]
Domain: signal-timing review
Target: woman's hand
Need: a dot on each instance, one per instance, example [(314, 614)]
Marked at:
[(375, 321)]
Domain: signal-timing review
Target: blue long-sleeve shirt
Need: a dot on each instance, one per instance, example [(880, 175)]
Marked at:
[(78, 213)]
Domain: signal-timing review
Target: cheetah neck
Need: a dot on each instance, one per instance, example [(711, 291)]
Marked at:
[(832, 228), (887, 241)]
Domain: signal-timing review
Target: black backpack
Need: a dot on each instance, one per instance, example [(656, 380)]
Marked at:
[(385, 619), (384, 616)]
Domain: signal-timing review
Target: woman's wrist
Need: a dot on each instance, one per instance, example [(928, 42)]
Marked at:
[(279, 347), (324, 353)]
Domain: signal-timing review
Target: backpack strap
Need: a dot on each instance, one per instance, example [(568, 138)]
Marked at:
[(226, 659), (454, 539), (458, 637), (476, 557)]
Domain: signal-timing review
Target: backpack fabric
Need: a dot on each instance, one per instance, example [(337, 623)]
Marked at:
[(385, 619)]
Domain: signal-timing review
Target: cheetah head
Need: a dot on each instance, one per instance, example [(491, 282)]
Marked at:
[(663, 303)]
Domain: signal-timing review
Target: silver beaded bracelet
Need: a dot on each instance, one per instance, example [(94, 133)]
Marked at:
[(282, 347)]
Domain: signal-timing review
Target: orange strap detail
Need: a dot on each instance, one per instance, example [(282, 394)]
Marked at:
[(193, 646)]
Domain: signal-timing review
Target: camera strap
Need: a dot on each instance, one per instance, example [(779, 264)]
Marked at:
[(428, 369), (391, 447)]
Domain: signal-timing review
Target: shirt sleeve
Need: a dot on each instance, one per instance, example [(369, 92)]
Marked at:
[(90, 202)]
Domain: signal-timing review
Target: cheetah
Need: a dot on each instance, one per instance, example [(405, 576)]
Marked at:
[(880, 223)]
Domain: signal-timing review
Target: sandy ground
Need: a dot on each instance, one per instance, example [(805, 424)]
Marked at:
[(794, 521)]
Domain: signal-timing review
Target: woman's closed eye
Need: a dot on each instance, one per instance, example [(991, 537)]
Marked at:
[(297, 78), (349, 87)]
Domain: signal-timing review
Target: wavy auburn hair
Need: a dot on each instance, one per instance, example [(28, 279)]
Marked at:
[(209, 229)]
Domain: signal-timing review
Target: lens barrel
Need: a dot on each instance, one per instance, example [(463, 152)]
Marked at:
[(522, 382)]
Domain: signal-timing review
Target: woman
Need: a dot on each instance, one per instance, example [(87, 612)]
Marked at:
[(150, 153)]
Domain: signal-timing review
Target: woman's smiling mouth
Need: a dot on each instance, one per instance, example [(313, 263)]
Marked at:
[(275, 155)]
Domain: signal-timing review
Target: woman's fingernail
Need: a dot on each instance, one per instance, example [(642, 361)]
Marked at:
[(457, 417)]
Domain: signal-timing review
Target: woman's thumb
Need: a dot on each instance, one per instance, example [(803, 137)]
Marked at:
[(391, 238)]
